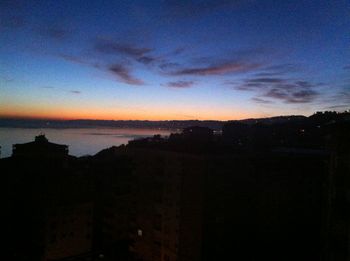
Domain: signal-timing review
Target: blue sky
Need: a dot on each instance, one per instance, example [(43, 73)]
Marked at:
[(173, 59)]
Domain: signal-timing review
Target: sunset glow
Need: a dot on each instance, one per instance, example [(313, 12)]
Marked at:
[(169, 60)]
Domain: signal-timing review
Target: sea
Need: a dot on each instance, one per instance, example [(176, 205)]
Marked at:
[(81, 142)]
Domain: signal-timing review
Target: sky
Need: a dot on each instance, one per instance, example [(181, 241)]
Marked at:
[(173, 60)]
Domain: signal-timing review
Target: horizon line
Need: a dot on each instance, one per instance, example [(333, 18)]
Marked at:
[(82, 119), (16, 117)]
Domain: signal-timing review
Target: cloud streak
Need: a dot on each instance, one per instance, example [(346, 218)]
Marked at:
[(125, 50), (180, 84), (285, 90), (77, 60), (75, 92), (340, 107), (124, 74), (109, 47), (221, 69), (261, 101)]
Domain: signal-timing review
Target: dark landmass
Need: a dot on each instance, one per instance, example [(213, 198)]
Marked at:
[(172, 124), (169, 124)]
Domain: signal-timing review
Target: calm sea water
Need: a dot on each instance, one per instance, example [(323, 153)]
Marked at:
[(80, 141)]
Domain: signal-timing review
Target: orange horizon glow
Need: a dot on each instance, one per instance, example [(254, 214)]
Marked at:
[(52, 111), (95, 115), (49, 117)]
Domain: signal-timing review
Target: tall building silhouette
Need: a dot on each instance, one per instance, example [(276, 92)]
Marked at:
[(49, 205)]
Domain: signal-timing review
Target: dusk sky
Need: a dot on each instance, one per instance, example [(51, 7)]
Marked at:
[(161, 60)]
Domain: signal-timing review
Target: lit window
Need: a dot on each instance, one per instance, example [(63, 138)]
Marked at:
[(139, 232)]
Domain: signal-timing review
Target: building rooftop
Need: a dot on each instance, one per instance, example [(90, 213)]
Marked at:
[(40, 147)]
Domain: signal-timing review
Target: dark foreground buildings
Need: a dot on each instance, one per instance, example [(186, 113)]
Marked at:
[(275, 190), (49, 204)]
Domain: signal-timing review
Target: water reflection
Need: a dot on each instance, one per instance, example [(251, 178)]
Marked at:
[(81, 141)]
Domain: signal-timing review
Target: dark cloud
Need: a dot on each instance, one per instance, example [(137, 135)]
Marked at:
[(265, 80), (146, 59), (278, 70), (249, 86), (230, 82), (70, 58), (260, 100), (342, 106), (180, 84), (75, 92), (220, 69), (109, 47), (122, 50), (285, 90), (245, 55), (260, 83), (267, 74), (178, 51), (121, 71), (276, 94), (124, 74), (302, 96), (304, 84), (168, 66)]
